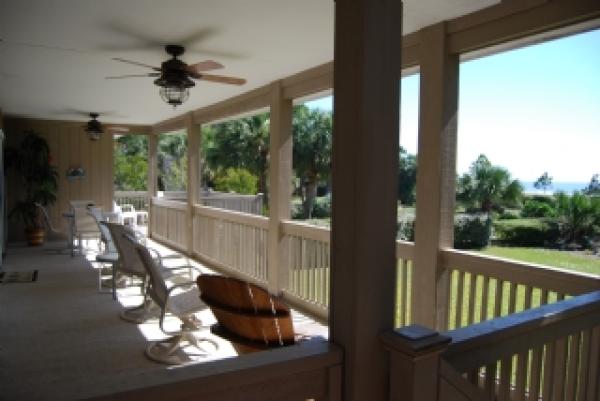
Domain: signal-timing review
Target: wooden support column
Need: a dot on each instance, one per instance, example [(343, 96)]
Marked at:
[(436, 177), (364, 197), (152, 177), (280, 186), (194, 136)]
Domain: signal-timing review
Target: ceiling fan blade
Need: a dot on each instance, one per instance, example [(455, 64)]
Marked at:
[(204, 66), (136, 63), (220, 79), (152, 74)]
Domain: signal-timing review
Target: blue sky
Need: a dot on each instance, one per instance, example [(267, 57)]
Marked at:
[(530, 110)]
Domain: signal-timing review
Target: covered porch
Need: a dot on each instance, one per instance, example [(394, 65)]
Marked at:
[(357, 278)]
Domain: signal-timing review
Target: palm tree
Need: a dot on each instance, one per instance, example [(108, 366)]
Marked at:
[(312, 152), (488, 187), (172, 159), (579, 214), (242, 143)]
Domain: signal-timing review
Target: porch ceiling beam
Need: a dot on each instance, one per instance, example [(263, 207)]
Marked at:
[(173, 124), (313, 80), (256, 99), (516, 19)]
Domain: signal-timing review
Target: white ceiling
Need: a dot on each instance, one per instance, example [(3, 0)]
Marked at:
[(55, 53)]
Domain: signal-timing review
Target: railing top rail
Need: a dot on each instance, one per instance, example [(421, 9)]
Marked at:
[(169, 203), (131, 193), (205, 379), (486, 342), (405, 249), (305, 230), (233, 216), (546, 277), (221, 195)]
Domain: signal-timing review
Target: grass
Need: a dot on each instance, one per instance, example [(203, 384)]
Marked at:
[(579, 262), (528, 222)]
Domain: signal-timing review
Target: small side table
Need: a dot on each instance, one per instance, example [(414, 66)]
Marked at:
[(108, 259)]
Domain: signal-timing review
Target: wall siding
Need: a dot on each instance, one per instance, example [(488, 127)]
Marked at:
[(69, 146)]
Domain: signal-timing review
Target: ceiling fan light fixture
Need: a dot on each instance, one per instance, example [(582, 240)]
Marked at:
[(93, 128), (174, 95)]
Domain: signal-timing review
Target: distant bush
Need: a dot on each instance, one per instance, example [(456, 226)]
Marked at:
[(236, 180), (406, 230), (549, 200), (508, 215), (545, 232), (535, 208), (472, 231), (321, 209)]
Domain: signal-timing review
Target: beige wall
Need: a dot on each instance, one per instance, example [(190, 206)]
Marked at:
[(69, 147)]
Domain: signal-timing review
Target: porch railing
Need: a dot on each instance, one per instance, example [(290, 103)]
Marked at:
[(547, 353), (484, 287), (233, 241), (481, 287), (168, 222), (139, 199), (310, 370)]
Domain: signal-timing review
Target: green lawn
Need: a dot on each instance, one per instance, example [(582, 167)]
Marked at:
[(563, 259)]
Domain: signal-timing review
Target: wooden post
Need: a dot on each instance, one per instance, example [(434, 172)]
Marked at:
[(280, 186), (194, 135), (414, 364), (152, 177), (436, 176), (365, 162)]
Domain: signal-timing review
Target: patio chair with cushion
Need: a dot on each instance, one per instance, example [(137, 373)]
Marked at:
[(130, 264), (56, 231), (247, 315), (181, 300)]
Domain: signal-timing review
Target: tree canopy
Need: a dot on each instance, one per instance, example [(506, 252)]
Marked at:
[(312, 152), (544, 182), (487, 187), (131, 163), (407, 177), (594, 186), (241, 143)]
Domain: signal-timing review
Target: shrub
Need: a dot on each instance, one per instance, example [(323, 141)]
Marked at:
[(535, 208), (542, 233), (509, 215), (321, 209), (406, 230), (236, 180), (472, 231)]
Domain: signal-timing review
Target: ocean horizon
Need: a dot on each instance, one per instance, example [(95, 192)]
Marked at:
[(568, 187)]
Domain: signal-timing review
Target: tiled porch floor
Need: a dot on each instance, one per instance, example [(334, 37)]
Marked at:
[(62, 339)]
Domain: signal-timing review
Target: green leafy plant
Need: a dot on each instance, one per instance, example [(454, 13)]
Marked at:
[(236, 180), (472, 231), (39, 179)]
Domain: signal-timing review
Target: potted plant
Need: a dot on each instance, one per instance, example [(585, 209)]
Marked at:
[(39, 180)]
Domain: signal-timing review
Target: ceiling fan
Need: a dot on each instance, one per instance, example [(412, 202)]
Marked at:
[(94, 128), (174, 77)]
